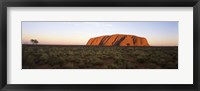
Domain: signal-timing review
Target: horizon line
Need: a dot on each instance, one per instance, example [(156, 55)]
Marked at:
[(85, 45)]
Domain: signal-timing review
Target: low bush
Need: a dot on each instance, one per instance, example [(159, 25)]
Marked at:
[(34, 56)]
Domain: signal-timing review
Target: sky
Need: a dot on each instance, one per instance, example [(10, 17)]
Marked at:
[(157, 33)]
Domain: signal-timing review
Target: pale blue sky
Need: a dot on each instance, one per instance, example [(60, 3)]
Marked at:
[(78, 33)]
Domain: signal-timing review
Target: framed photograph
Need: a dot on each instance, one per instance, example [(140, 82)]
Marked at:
[(92, 44)]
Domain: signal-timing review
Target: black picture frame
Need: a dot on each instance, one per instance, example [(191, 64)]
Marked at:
[(99, 3)]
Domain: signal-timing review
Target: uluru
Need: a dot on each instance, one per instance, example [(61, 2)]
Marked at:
[(118, 40)]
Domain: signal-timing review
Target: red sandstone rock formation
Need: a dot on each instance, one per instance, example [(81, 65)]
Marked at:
[(118, 40)]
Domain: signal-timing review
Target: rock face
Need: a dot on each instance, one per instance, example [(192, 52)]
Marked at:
[(118, 40)]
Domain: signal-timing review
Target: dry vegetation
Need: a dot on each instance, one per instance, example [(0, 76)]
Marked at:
[(90, 57)]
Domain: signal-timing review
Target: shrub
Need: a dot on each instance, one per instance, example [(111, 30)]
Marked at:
[(151, 66), (70, 53), (30, 60), (113, 66), (141, 59), (44, 58)]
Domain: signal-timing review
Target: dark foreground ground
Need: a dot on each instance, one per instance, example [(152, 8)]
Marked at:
[(90, 57)]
